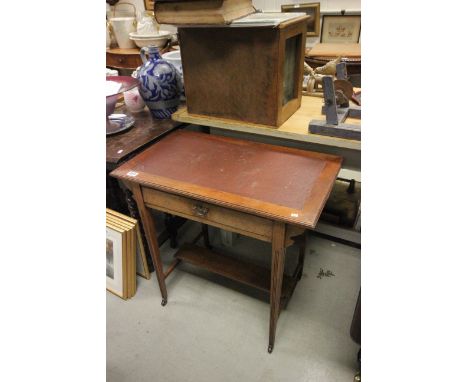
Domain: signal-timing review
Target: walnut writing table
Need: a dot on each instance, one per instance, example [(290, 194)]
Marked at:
[(263, 191)]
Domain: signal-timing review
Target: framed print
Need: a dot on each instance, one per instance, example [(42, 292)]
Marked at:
[(342, 29), (142, 268), (115, 261), (129, 254), (311, 9)]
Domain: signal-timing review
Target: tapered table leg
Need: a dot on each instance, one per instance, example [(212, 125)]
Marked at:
[(277, 269), (152, 238), (133, 210)]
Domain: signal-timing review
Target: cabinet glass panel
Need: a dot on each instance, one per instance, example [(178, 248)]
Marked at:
[(291, 54)]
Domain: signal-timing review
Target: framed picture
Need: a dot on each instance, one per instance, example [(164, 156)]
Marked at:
[(341, 29), (142, 268), (311, 9), (149, 5), (121, 243), (116, 264)]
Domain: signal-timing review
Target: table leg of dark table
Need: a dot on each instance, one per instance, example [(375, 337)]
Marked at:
[(115, 199)]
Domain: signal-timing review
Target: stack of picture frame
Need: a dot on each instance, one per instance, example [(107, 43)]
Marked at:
[(125, 254)]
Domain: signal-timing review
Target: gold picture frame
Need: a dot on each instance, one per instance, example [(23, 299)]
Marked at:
[(116, 260), (149, 5), (125, 254), (341, 29), (142, 268), (311, 9)]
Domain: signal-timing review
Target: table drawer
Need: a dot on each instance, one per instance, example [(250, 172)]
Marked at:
[(123, 61), (225, 218)]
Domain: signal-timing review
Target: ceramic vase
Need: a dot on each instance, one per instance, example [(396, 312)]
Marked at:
[(160, 84), (133, 101)]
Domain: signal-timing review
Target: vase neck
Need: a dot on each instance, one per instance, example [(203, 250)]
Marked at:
[(153, 53)]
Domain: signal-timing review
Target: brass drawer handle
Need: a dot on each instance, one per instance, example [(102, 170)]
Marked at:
[(199, 210)]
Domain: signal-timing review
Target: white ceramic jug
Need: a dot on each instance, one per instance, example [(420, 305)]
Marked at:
[(122, 26)]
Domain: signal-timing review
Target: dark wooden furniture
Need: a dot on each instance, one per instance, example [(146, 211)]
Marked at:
[(123, 58), (266, 192), (321, 53), (251, 74), (146, 131), (120, 148)]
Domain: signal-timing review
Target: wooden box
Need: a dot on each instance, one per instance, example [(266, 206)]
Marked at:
[(248, 73)]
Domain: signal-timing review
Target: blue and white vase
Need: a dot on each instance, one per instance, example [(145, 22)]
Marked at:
[(160, 84)]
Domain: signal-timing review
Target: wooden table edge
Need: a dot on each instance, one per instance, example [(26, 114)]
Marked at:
[(309, 224)]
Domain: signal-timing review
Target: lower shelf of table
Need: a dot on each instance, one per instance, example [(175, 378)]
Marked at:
[(234, 269)]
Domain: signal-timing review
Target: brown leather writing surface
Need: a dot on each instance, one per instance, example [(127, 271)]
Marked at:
[(285, 184)]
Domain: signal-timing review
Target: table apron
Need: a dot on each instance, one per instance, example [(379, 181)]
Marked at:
[(207, 213)]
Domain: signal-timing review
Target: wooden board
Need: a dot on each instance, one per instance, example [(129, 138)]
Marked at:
[(342, 130), (334, 50), (296, 128), (274, 182), (234, 269)]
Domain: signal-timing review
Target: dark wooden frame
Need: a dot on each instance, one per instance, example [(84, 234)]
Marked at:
[(324, 17), (304, 7)]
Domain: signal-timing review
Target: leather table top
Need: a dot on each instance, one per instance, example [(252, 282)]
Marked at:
[(285, 184)]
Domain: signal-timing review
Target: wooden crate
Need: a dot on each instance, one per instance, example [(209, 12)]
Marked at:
[(251, 74)]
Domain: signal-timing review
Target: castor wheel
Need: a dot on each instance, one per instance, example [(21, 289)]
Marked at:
[(270, 348), (163, 302)]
